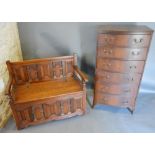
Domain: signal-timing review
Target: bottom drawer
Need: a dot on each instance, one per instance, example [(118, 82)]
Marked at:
[(114, 100)]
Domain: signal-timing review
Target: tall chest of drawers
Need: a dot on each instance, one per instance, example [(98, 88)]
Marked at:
[(120, 60)]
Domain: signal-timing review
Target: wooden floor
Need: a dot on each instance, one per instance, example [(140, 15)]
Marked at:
[(36, 91)]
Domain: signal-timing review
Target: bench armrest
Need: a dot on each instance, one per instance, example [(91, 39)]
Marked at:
[(81, 74), (8, 87)]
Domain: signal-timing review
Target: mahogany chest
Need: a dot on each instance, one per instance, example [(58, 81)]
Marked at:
[(121, 55)]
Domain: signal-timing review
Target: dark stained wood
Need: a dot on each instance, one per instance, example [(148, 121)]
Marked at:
[(117, 78), (120, 66), (46, 89), (113, 100), (44, 70), (124, 40), (111, 88), (83, 76), (121, 55), (124, 29)]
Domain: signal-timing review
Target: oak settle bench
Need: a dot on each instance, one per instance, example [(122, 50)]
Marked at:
[(46, 89)]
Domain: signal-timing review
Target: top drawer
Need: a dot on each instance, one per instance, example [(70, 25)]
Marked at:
[(124, 40)]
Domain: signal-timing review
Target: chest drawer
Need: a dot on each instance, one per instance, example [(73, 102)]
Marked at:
[(117, 77), (116, 88), (122, 53), (120, 66), (114, 100), (124, 40)]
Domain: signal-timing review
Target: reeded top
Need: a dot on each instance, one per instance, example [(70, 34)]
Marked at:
[(125, 29)]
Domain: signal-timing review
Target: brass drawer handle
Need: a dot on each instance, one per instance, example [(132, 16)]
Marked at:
[(108, 65), (107, 51), (133, 67), (137, 41), (127, 90), (104, 99), (105, 88), (130, 79), (107, 77), (108, 39), (135, 53), (125, 102)]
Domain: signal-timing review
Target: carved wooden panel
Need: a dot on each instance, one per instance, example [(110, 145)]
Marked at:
[(66, 107), (69, 67), (52, 109), (33, 72), (25, 115), (57, 68), (78, 103), (38, 112), (19, 116), (28, 114), (20, 74), (43, 70), (49, 109)]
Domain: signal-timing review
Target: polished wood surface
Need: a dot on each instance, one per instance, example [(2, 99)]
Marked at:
[(115, 88), (82, 75), (120, 66), (124, 100), (118, 78), (121, 55), (124, 29), (124, 40), (43, 70), (46, 89)]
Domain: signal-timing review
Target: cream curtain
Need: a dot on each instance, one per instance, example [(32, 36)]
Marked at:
[(9, 50)]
